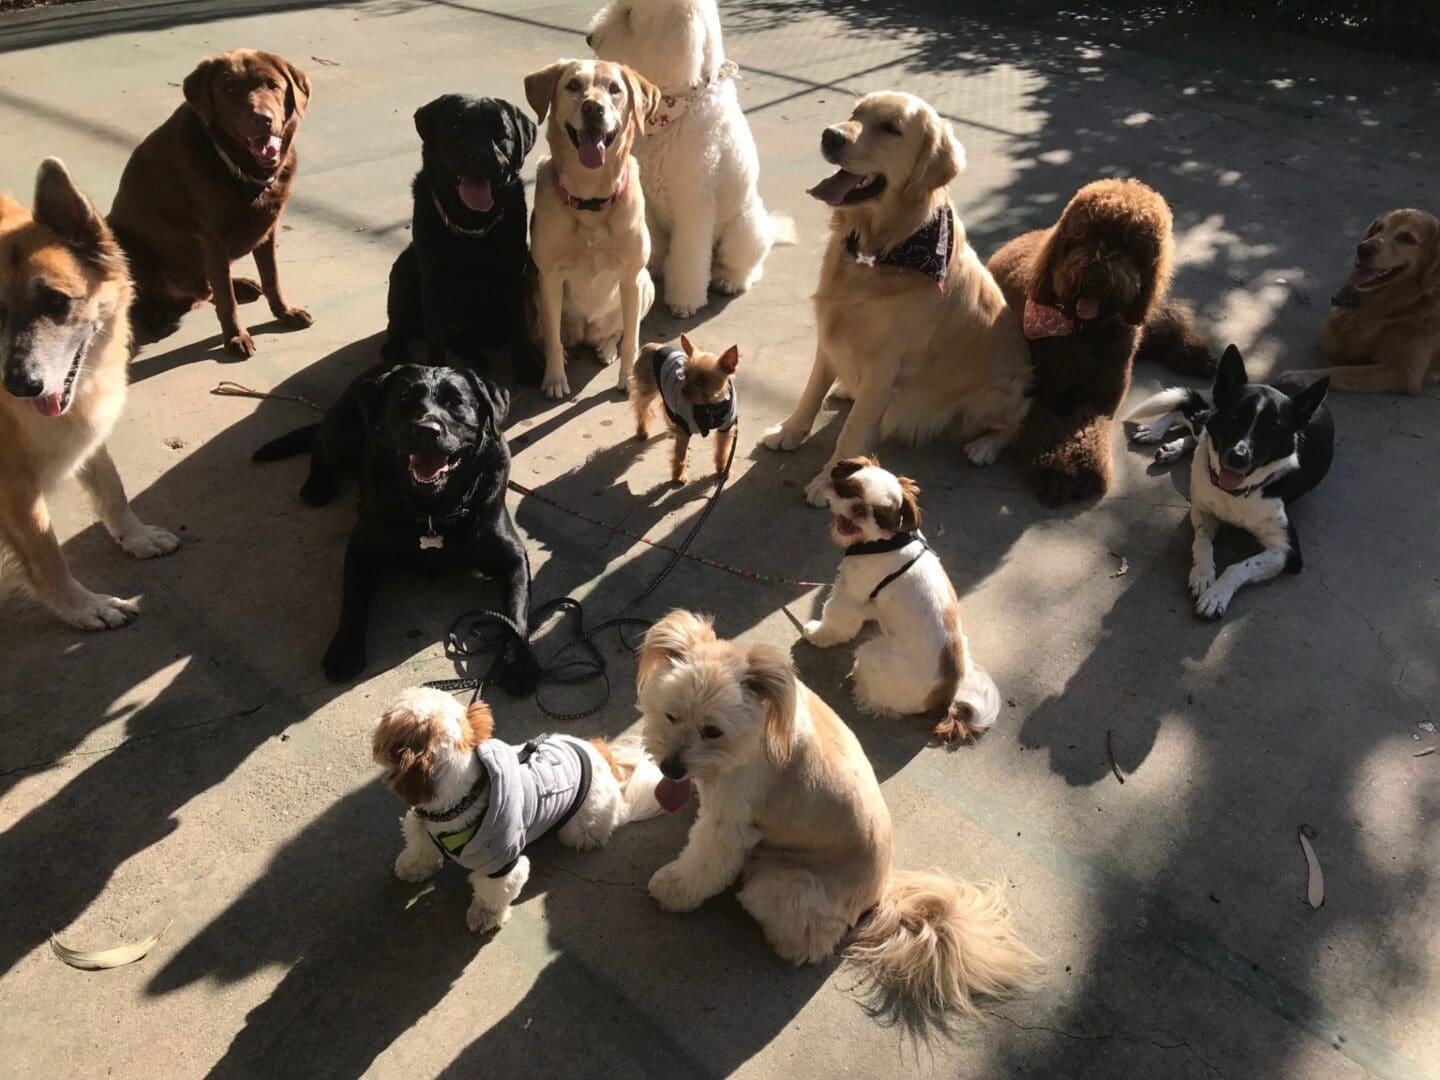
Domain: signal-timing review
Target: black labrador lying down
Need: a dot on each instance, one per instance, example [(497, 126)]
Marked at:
[(433, 466), (460, 283)]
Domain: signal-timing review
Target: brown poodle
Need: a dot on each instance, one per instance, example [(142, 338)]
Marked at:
[(1092, 289)]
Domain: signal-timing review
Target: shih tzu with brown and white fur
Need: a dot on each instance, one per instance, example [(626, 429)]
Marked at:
[(920, 665), (480, 802), (789, 803)]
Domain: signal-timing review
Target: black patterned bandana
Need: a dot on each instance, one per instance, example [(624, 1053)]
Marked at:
[(927, 250)]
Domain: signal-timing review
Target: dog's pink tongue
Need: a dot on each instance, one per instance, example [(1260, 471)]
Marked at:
[(591, 148), (266, 149), (1361, 279), (48, 404), (833, 189), (1043, 321), (1087, 308), (1230, 480), (672, 794), (476, 195)]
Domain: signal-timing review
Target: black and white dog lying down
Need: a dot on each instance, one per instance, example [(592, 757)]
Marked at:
[(1257, 450), (433, 466)]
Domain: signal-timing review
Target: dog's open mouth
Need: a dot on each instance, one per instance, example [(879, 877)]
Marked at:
[(429, 469), (1366, 279), (53, 405), (673, 794), (846, 527), (1229, 479), (265, 149), (590, 144), (846, 187), (475, 194)]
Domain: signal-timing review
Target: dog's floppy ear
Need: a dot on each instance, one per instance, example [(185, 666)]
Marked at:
[(297, 96), (771, 679), (644, 98), (493, 394), (402, 746), (1156, 282), (909, 504), (1230, 377), (427, 116), (850, 466), (370, 395), (1303, 403), (669, 639), (540, 87), (197, 86), (524, 133), (940, 159), (480, 721), (63, 208)]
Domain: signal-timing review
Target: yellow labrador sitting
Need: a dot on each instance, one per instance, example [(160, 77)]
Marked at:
[(587, 233)]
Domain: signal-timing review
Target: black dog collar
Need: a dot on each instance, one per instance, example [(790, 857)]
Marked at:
[(926, 250), (881, 547), (481, 786), (235, 171), (594, 205), (460, 230)]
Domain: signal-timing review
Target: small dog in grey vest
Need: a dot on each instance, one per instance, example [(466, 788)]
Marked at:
[(697, 391)]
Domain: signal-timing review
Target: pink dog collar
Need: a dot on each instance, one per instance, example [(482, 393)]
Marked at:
[(593, 204)]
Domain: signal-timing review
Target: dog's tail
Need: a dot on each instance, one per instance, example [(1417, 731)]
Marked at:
[(1171, 338), (636, 773), (973, 708), (1188, 404), (782, 230), (296, 442), (933, 945)]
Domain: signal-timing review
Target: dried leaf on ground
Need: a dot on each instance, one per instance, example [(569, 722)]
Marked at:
[(1315, 890), (1123, 568), (104, 959)]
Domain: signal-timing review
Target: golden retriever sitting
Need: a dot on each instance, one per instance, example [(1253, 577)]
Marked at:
[(1092, 292), (588, 237), (790, 805), (1384, 330), (909, 322)]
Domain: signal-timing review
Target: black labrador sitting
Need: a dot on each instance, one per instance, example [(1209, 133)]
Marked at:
[(459, 284), (433, 467)]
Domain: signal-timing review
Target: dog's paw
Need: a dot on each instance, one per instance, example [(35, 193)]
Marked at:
[(985, 449), (240, 344), (482, 919), (149, 542), (780, 437), (295, 318), (555, 387), (1150, 433), (818, 490), (1201, 578), (247, 290), (520, 673), (319, 488), (730, 285), (672, 889), (814, 632), (417, 864), (344, 659), (95, 612), (1212, 603), (1170, 451)]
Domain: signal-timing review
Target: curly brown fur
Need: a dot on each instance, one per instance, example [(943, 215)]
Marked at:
[(1106, 265)]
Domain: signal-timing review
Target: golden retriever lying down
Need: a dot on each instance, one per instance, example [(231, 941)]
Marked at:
[(1384, 329), (909, 321)]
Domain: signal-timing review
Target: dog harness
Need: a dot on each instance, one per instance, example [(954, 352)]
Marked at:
[(592, 204), (883, 547), (691, 418), (460, 230), (532, 792), (674, 103), (927, 250)]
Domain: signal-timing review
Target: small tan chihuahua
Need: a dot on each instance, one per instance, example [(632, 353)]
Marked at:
[(697, 391)]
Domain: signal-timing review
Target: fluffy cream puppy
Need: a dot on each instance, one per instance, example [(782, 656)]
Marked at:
[(920, 664), (480, 802), (707, 223), (789, 804), (908, 320), (587, 232)]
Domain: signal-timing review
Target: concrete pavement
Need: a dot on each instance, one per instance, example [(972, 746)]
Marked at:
[(197, 766)]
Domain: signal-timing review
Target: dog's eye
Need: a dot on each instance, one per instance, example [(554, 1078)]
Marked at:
[(671, 718), (890, 127), (710, 731), (573, 86), (52, 303), (1405, 238), (614, 89)]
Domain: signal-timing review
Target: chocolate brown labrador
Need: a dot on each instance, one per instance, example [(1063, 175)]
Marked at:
[(206, 188)]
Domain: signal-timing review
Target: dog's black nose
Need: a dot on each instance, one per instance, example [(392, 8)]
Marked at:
[(673, 767), (831, 141), (1238, 458), (1366, 248), (592, 111), (22, 384), (590, 40)]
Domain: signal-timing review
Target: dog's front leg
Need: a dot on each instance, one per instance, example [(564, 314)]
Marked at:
[(102, 482), (840, 620), (295, 317), (872, 398), (629, 327), (712, 859), (490, 906), (222, 291), (1279, 555), (550, 298), (1202, 549), (687, 264), (519, 672), (420, 858), (791, 433), (345, 658)]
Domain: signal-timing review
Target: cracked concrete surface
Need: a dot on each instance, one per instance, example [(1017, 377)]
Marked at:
[(197, 766)]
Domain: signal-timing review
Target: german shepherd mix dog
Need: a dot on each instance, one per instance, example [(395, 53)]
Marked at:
[(206, 188), (433, 466), (64, 347), (461, 282), (1256, 452)]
